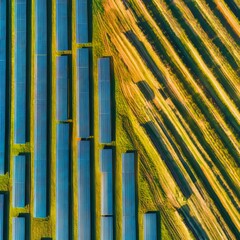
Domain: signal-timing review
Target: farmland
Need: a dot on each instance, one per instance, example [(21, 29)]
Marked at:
[(119, 119)]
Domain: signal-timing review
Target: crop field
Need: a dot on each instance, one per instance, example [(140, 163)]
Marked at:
[(119, 119)]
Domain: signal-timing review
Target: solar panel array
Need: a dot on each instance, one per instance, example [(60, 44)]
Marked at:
[(2, 210), (107, 181), (20, 73), (41, 111), (107, 228), (104, 91), (62, 88), (106, 162), (82, 21), (19, 181), (129, 196), (43, 98), (62, 12), (3, 83), (62, 182), (83, 93), (19, 228), (150, 226), (84, 192)]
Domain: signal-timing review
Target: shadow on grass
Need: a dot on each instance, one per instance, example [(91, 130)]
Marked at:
[(205, 54), (156, 72), (185, 57), (192, 223), (211, 34), (212, 5), (146, 90), (160, 146)]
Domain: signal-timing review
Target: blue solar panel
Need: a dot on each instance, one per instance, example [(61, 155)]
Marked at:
[(41, 26), (83, 93), (150, 226), (104, 90), (128, 196), (20, 55), (62, 24), (19, 228), (82, 21), (40, 151), (62, 88), (3, 28), (19, 181), (107, 182), (2, 210), (106, 228), (62, 182), (84, 186)]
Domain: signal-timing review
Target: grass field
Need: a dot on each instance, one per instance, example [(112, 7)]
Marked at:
[(176, 102), (187, 135)]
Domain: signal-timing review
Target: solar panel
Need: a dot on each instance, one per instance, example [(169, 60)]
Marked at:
[(62, 88), (2, 208), (83, 93), (128, 196), (62, 24), (150, 226), (106, 163), (62, 182), (20, 55), (19, 228), (84, 193), (41, 108), (107, 182), (82, 21), (104, 91), (3, 36), (19, 181), (106, 228)]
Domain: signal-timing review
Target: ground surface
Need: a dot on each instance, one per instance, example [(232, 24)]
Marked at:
[(176, 66), (176, 90)]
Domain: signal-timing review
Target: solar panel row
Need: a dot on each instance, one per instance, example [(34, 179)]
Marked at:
[(19, 228), (41, 106), (62, 182), (105, 136), (19, 181), (107, 182), (3, 47), (62, 12), (20, 56), (106, 162), (2, 208), (83, 93), (63, 22), (128, 196), (62, 88), (106, 228), (84, 192), (82, 21), (150, 226), (104, 91)]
